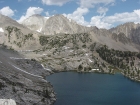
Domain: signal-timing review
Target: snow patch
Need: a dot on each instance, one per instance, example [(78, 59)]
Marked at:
[(39, 30), (95, 69), (0, 61), (70, 20), (25, 50), (17, 58), (90, 60), (26, 72), (71, 50), (86, 54), (47, 17), (65, 47), (1, 30), (45, 68)]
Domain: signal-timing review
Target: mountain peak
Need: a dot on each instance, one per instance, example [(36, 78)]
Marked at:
[(36, 15), (53, 25), (35, 22), (59, 15)]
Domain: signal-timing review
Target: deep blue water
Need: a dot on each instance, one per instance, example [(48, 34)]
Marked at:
[(94, 89)]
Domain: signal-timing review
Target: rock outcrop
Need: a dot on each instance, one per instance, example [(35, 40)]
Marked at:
[(7, 102), (23, 80), (54, 25), (130, 30), (35, 22)]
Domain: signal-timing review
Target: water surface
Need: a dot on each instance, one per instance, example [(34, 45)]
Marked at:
[(94, 89)]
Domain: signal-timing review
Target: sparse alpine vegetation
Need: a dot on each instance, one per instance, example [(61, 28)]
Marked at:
[(126, 61), (15, 36)]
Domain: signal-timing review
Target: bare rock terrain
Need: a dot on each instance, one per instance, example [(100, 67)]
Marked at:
[(40, 46), (22, 80)]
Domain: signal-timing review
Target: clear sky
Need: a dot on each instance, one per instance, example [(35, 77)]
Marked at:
[(100, 13)]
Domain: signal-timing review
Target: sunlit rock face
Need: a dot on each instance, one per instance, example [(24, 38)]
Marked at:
[(53, 25), (7, 102), (35, 22)]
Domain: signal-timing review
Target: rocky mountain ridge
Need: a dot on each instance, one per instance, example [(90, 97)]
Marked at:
[(130, 30), (57, 24), (69, 38), (35, 22), (54, 25), (61, 44)]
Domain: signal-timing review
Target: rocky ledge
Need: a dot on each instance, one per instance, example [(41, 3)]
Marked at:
[(7, 102), (22, 80)]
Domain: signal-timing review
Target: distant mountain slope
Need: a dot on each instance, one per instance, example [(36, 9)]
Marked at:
[(20, 37), (61, 24), (115, 41), (6, 21), (16, 35), (54, 25), (35, 22), (130, 30)]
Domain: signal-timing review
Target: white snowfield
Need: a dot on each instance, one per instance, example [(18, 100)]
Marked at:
[(1, 30), (26, 72), (65, 47), (86, 54), (29, 73), (17, 58), (25, 50), (45, 68), (7, 102)]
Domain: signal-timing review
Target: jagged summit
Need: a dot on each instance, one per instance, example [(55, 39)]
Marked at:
[(53, 25), (58, 24), (125, 28), (35, 22), (130, 29), (37, 15)]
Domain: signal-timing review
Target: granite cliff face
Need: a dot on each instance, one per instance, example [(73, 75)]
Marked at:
[(54, 25), (130, 30), (35, 22)]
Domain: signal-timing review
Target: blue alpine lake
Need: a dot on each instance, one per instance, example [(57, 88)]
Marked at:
[(94, 89)]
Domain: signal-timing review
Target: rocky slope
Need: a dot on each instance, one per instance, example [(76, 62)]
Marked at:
[(60, 50), (6, 21), (59, 24), (130, 30), (22, 80)]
